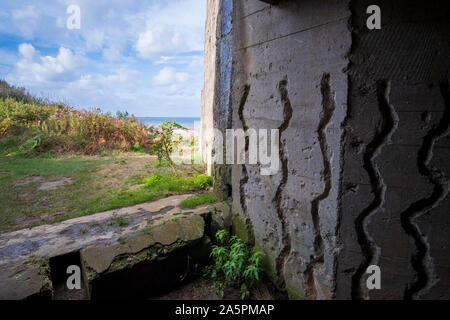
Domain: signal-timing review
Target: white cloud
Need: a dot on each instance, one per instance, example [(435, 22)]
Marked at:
[(122, 79), (164, 59), (28, 13), (27, 51), (170, 29), (160, 41), (32, 68), (111, 54), (168, 76), (114, 61), (25, 20), (94, 40)]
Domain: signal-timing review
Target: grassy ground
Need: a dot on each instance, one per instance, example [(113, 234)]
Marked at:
[(40, 184), (199, 200), (93, 184)]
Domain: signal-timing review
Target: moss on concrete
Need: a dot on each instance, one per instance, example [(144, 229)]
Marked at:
[(221, 218), (167, 237), (295, 294), (220, 181), (242, 230)]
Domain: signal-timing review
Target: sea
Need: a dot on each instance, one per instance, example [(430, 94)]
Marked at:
[(189, 123)]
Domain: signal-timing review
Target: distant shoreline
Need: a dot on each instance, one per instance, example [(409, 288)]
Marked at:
[(187, 122)]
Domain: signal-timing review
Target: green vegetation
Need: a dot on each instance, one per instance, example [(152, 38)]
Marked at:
[(200, 199), (234, 264), (164, 142), (18, 94), (98, 184), (31, 127), (90, 156), (119, 222), (171, 183)]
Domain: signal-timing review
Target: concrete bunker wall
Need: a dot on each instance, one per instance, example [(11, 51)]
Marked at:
[(288, 74), (395, 205), (363, 138)]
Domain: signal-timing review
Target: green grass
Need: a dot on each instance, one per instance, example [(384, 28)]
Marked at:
[(119, 222), (169, 182), (26, 202), (99, 184), (198, 200), (21, 167)]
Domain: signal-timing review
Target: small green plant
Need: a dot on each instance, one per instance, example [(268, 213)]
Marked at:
[(119, 222), (164, 141), (182, 216), (137, 148), (198, 200), (234, 265)]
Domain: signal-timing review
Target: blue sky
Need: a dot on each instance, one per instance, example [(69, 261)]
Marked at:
[(143, 56)]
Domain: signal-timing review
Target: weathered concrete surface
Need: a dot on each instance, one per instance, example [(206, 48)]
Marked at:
[(103, 239), (72, 235), (221, 218), (26, 279), (395, 201), (143, 264), (208, 91), (216, 104), (101, 258), (363, 117), (288, 74)]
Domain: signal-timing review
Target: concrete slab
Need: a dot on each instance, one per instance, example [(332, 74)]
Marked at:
[(103, 239)]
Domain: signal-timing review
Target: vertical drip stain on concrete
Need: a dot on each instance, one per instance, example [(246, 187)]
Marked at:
[(286, 239), (382, 137), (243, 181), (421, 260), (328, 107)]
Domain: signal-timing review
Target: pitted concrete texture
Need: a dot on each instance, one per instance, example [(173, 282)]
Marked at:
[(25, 279), (216, 108), (363, 117), (210, 80), (100, 257), (395, 201), (101, 238), (288, 74), (72, 235)]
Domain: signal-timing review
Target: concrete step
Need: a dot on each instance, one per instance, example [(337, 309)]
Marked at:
[(131, 252)]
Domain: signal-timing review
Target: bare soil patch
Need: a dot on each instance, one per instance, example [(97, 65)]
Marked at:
[(202, 289), (28, 180), (55, 184)]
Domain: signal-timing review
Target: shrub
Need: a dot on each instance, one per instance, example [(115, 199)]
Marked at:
[(18, 94), (234, 264), (44, 127), (164, 142), (201, 181)]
